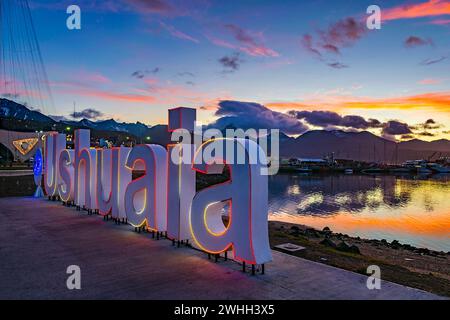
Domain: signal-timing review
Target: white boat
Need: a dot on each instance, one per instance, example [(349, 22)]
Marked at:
[(348, 171)]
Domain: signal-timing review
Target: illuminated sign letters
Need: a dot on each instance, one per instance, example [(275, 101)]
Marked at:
[(163, 197), (113, 178), (145, 197)]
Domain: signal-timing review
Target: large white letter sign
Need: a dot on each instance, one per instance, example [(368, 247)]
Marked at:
[(112, 180), (180, 190), (145, 197), (247, 196), (85, 169), (182, 118), (54, 144), (67, 175), (180, 177)]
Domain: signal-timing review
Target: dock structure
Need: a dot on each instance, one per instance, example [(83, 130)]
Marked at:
[(40, 239)]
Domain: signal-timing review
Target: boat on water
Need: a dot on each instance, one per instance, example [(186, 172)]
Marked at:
[(348, 171), (435, 167), (425, 167), (418, 166)]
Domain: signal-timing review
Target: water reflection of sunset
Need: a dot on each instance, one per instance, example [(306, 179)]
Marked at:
[(412, 211)]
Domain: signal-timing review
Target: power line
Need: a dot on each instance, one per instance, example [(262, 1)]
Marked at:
[(23, 75)]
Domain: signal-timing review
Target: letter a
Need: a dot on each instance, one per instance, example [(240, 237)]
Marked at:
[(245, 195)]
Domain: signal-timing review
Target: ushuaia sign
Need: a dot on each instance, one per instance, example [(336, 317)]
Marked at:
[(164, 200)]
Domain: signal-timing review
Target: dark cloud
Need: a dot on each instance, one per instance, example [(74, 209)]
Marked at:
[(358, 122), (153, 6), (331, 48), (231, 63), (332, 120), (374, 123), (428, 62), (407, 137), (426, 134), (430, 124), (341, 34), (89, 113), (240, 34), (190, 83), (250, 44), (414, 41), (140, 74), (337, 65), (318, 118), (250, 115), (307, 43), (395, 128), (327, 119), (186, 74)]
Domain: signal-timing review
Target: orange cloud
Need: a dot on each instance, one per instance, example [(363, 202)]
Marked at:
[(439, 101), (430, 8), (92, 77), (112, 95)]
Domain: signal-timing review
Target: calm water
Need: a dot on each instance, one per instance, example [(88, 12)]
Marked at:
[(409, 209)]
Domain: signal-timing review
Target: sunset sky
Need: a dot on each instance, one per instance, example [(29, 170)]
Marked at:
[(300, 61)]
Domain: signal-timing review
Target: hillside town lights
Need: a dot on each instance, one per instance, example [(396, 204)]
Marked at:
[(164, 199)]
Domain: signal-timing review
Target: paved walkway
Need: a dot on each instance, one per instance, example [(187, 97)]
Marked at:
[(40, 239)]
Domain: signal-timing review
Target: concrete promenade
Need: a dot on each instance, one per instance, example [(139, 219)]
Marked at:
[(39, 239)]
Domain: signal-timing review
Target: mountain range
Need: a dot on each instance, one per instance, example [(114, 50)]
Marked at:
[(12, 110), (363, 146)]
